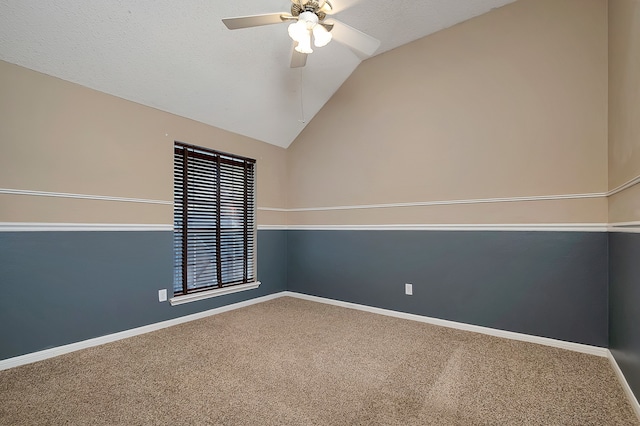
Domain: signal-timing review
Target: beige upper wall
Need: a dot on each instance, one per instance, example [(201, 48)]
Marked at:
[(624, 207), (624, 91), (58, 136), (624, 108), (512, 103)]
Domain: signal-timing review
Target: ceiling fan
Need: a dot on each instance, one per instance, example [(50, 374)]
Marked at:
[(307, 19)]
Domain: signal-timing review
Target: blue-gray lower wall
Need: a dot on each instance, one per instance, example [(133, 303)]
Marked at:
[(550, 284), (624, 305), (64, 287)]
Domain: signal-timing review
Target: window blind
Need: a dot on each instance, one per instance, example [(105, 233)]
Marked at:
[(214, 219)]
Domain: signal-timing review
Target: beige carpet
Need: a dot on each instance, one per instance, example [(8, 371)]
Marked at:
[(294, 362)]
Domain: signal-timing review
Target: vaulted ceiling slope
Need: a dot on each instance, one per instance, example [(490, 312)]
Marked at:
[(179, 57)]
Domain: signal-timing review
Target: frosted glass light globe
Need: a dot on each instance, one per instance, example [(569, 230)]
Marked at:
[(304, 45), (321, 37), (298, 31)]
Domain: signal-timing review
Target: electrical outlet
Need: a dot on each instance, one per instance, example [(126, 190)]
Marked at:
[(162, 295), (408, 289)]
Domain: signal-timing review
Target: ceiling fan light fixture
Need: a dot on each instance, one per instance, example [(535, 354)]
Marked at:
[(300, 31), (321, 37)]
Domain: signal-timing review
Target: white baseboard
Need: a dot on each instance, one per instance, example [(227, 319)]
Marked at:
[(625, 385), (577, 347), (60, 350), (592, 350), (72, 347)]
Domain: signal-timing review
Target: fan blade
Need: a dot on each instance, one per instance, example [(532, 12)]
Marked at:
[(255, 20), (361, 43), (297, 59)]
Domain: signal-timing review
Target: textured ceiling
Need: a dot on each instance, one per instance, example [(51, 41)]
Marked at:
[(177, 56)]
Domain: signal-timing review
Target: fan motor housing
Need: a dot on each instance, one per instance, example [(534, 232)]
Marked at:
[(310, 6)]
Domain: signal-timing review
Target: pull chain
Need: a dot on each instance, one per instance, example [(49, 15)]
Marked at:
[(302, 120)]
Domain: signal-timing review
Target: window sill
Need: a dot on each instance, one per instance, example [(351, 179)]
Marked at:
[(179, 300)]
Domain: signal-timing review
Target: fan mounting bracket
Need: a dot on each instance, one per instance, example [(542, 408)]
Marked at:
[(310, 6)]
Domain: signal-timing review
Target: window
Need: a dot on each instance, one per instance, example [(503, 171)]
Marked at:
[(213, 220)]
